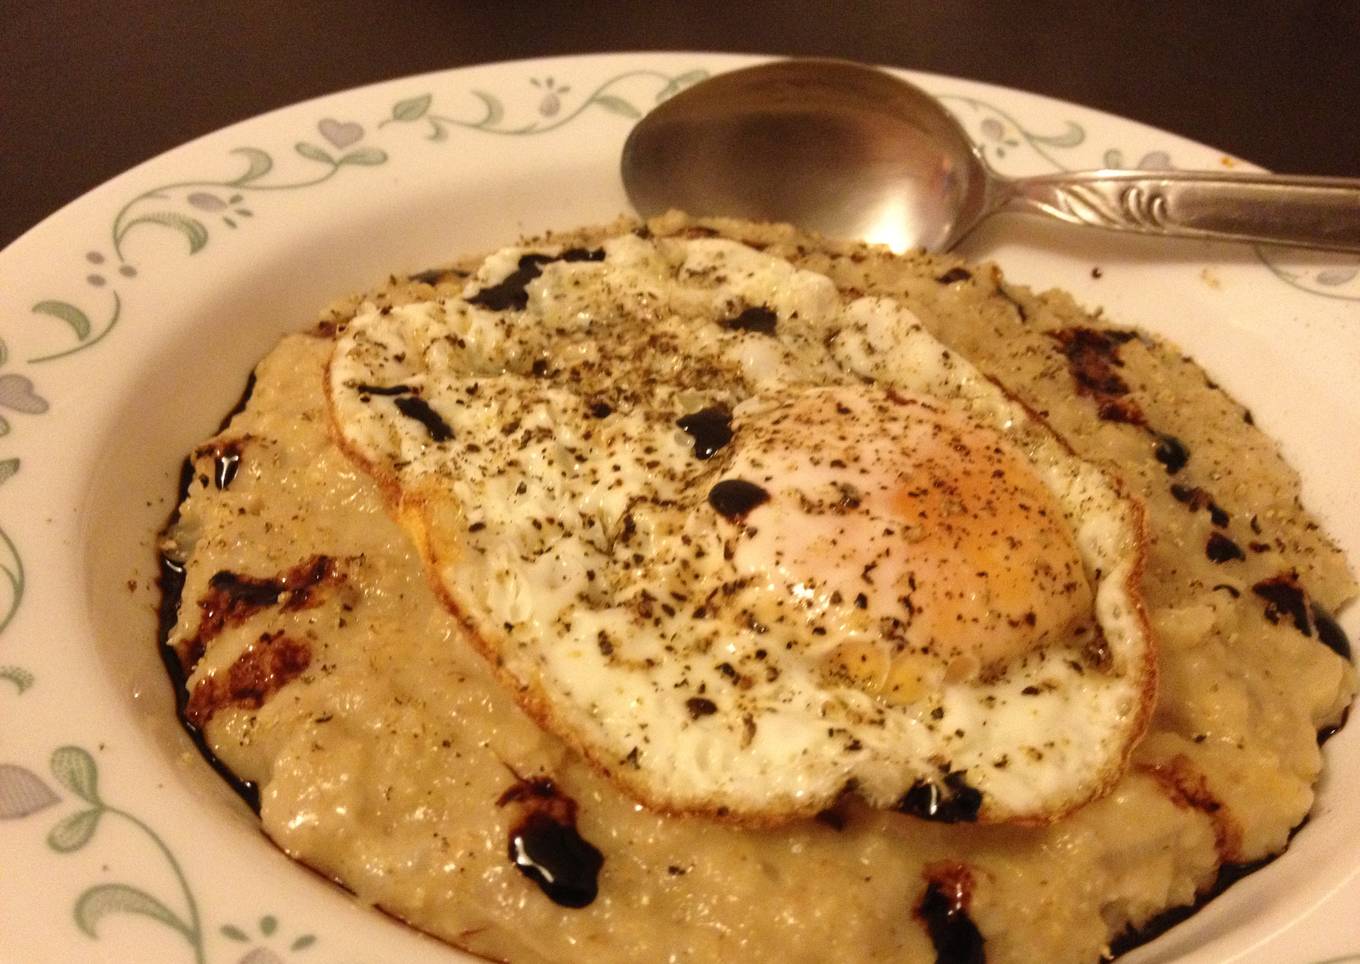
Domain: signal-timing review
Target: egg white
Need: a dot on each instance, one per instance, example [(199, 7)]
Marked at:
[(568, 520)]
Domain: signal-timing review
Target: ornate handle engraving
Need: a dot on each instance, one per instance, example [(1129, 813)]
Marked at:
[(1304, 211)]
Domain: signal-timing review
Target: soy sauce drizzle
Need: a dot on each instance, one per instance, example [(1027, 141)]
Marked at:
[(545, 846), (1221, 549), (170, 581), (232, 598), (734, 498), (226, 459), (1171, 452), (759, 319), (711, 429), (226, 463), (417, 408), (433, 275), (1285, 597), (1093, 360), (1330, 633), (1228, 874), (512, 293), (955, 802), (1195, 498), (364, 389), (944, 911)]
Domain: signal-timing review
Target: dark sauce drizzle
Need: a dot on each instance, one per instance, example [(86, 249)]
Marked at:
[(1221, 549), (1196, 498), (955, 802), (170, 581), (759, 319), (1228, 874), (1327, 732), (226, 459), (1171, 452), (711, 429), (1285, 597), (546, 847), (417, 408), (734, 498), (512, 292), (364, 389), (944, 911), (1330, 633), (1093, 360), (236, 409), (1019, 308), (226, 463), (432, 275)]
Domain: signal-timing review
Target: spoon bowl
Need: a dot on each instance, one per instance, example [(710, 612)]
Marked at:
[(852, 151), (829, 145)]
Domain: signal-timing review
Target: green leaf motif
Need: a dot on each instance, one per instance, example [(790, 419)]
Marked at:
[(4, 426), (314, 153), (233, 933), (258, 164), (617, 105), (193, 230), (1071, 137), (4, 352), (104, 899), (74, 831), (680, 82), (303, 942), (367, 156), (494, 111), (74, 769), (411, 109), (20, 677), (22, 793), (268, 925), (73, 316), (8, 467)]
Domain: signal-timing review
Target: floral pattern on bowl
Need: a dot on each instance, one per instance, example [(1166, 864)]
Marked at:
[(346, 138)]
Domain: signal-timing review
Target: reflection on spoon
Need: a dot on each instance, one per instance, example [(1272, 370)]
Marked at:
[(851, 151)]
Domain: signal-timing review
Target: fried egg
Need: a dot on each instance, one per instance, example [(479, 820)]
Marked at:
[(748, 542)]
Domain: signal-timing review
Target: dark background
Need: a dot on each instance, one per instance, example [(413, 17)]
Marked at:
[(87, 89)]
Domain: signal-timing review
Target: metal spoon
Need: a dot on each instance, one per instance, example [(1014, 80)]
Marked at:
[(852, 151)]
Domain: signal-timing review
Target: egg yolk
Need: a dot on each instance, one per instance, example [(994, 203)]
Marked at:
[(909, 545)]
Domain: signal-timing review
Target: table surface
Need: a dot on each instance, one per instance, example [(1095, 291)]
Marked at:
[(91, 88)]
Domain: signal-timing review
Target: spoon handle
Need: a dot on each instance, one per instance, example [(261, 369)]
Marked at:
[(1306, 212)]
